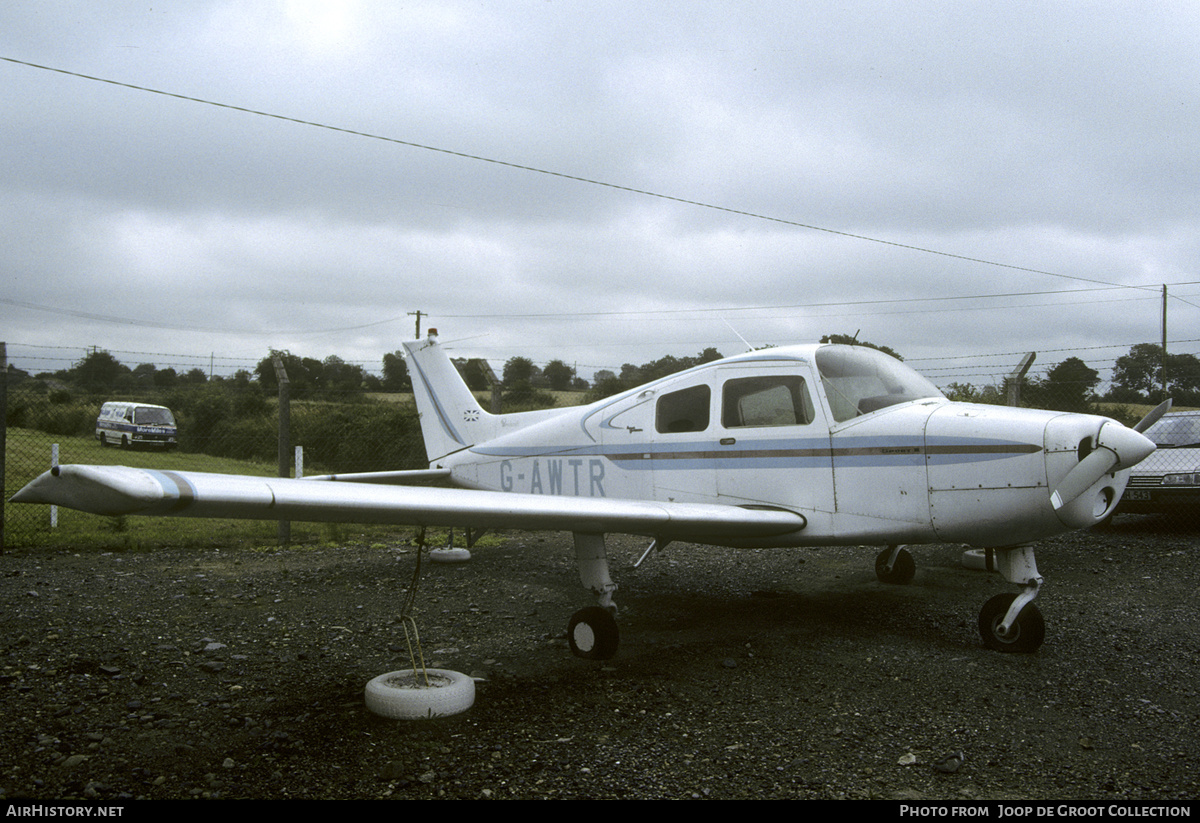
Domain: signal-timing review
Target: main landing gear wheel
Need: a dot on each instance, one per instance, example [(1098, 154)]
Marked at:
[(1026, 634), (902, 568), (592, 634)]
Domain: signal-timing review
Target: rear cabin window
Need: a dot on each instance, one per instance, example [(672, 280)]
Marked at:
[(773, 400), (683, 411)]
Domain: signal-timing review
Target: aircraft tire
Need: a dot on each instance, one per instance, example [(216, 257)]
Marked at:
[(903, 570), (592, 634), (449, 555), (396, 695), (1027, 632)]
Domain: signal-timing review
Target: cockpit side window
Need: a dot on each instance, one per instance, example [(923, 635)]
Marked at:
[(683, 411), (770, 400)]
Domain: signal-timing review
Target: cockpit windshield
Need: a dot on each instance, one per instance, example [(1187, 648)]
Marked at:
[(859, 380)]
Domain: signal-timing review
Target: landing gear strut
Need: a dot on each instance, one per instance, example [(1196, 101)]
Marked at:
[(592, 633)]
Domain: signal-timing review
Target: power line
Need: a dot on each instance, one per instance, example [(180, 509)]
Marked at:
[(631, 314), (563, 175)]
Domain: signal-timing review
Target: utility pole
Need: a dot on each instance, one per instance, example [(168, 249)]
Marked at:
[(1163, 371), (418, 315)]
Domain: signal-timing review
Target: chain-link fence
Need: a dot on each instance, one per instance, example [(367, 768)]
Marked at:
[(222, 426)]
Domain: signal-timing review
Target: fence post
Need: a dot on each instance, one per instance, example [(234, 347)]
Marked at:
[(3, 435), (1018, 375), (493, 382), (285, 437), (53, 466)]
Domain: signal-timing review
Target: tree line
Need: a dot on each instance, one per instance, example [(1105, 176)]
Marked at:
[(1143, 376)]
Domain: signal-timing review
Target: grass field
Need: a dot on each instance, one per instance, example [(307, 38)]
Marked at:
[(563, 399), (28, 455)]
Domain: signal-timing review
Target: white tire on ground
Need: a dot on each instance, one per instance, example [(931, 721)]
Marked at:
[(404, 696), (975, 559), (449, 555)]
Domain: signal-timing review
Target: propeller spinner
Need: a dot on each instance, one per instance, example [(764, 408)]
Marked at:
[(1116, 448)]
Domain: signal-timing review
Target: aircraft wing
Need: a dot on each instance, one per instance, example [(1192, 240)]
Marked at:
[(121, 490), (408, 477)]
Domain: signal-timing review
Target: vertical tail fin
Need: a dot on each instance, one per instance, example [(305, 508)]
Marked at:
[(451, 418)]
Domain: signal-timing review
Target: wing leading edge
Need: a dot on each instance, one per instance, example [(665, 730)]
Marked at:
[(121, 490)]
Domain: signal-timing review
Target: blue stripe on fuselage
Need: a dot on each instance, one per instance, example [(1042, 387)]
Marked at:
[(812, 452)]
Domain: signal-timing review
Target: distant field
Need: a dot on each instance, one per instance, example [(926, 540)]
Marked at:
[(564, 398), (1138, 409), (403, 398)]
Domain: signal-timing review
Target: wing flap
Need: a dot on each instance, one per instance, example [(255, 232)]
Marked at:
[(121, 490)]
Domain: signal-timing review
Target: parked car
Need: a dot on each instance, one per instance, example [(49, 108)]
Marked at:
[(129, 425), (1169, 479)]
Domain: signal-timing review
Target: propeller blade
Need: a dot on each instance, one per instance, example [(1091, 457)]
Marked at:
[(1080, 479), (1117, 448), (1153, 417)]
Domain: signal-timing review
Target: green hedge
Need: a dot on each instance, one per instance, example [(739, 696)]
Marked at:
[(226, 421)]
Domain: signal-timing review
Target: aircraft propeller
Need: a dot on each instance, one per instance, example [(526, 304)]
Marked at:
[(1116, 448), (1153, 417)]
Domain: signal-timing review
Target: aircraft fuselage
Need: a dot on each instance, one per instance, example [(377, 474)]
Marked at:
[(839, 442)]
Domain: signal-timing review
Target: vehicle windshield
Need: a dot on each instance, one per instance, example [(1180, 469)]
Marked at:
[(146, 416), (1175, 431), (859, 380)]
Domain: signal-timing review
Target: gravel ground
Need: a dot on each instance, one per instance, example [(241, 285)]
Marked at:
[(239, 673)]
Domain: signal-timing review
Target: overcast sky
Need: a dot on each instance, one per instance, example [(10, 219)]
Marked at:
[(953, 180)]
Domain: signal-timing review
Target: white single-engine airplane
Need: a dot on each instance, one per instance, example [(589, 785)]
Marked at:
[(794, 446)]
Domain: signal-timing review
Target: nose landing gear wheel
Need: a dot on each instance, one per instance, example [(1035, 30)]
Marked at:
[(902, 570), (592, 634), (1026, 633)]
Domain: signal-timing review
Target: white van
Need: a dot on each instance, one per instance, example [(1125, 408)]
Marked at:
[(136, 424)]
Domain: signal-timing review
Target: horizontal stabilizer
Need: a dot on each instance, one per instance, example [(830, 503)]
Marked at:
[(120, 490)]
